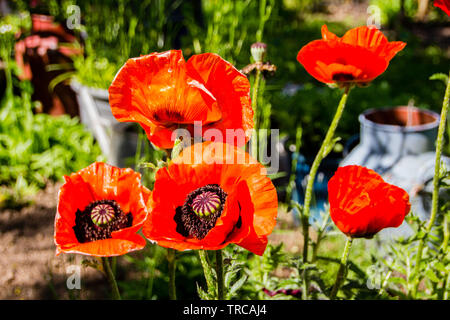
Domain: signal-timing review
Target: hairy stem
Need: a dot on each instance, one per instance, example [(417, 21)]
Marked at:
[(220, 279), (111, 279), (254, 140), (342, 272), (207, 270), (435, 196), (172, 268), (315, 166)]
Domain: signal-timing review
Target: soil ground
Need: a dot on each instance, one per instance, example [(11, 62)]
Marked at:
[(28, 264)]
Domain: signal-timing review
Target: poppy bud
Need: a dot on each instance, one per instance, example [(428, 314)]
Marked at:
[(258, 51)]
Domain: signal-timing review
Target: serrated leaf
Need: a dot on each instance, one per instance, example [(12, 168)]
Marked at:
[(237, 285), (397, 280), (147, 165), (328, 148), (202, 294), (431, 275), (177, 147)]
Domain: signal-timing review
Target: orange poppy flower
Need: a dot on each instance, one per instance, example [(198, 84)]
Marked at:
[(360, 56), (362, 204), (444, 5), (207, 199), (100, 209), (162, 92)]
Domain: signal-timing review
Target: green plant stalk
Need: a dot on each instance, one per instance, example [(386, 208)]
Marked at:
[(264, 14), (111, 279), (342, 272), (220, 278), (254, 143), (320, 236), (172, 268), (138, 153), (7, 70), (435, 195), (291, 184), (446, 277), (315, 166), (447, 288), (207, 270)]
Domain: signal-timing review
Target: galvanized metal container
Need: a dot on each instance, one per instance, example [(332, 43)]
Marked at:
[(116, 139)]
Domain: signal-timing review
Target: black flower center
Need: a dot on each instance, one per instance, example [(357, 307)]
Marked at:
[(99, 219), (200, 211), (343, 77)]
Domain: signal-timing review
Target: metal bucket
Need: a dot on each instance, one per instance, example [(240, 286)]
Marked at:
[(117, 140)]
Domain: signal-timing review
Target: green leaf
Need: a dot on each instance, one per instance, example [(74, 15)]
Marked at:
[(328, 148), (237, 285), (202, 294), (440, 76), (431, 275)]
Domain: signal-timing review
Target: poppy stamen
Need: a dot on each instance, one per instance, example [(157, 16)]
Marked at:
[(343, 77), (99, 220), (200, 211)]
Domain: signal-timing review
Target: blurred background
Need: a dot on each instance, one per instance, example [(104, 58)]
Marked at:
[(58, 59)]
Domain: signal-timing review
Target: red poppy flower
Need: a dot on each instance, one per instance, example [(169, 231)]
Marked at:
[(362, 204), (360, 56), (212, 195), (100, 209), (162, 92), (444, 5)]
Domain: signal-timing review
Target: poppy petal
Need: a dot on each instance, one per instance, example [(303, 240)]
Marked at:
[(328, 35), (444, 5), (156, 90), (362, 204), (105, 248), (231, 89)]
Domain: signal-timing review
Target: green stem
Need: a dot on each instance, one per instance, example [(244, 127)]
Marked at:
[(446, 287), (315, 166), (342, 272), (219, 271), (8, 76), (254, 143), (111, 278), (172, 268), (291, 184), (207, 270), (435, 196), (137, 155)]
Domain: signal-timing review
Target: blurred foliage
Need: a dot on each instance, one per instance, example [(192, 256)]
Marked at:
[(38, 148), (112, 34), (35, 148), (390, 10)]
